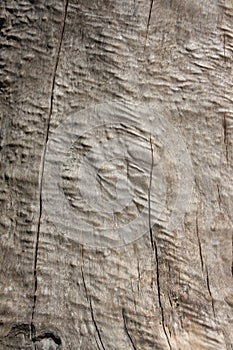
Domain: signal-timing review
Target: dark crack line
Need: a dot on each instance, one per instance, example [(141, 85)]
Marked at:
[(84, 284), (199, 243), (155, 248), (97, 343), (159, 293), (43, 164), (209, 290), (224, 46), (203, 265), (149, 193), (219, 197), (225, 136), (95, 324), (127, 331), (92, 312), (232, 257), (148, 21), (139, 276)]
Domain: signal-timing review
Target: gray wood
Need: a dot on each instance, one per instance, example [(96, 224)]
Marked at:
[(171, 288)]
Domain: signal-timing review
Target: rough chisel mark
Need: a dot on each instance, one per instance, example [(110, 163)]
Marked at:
[(126, 330), (154, 246), (43, 162), (148, 21)]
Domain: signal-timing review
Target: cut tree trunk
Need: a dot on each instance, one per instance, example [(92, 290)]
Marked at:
[(171, 287)]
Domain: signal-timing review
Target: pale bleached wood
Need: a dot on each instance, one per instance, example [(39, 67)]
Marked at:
[(59, 58)]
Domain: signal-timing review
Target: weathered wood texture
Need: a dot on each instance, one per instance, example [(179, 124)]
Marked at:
[(57, 58)]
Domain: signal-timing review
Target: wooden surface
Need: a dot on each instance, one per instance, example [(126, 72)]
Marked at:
[(171, 288)]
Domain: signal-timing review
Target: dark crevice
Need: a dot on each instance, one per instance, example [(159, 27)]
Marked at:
[(224, 46), (126, 329), (225, 136), (199, 242), (24, 330), (95, 324), (43, 163), (149, 193), (209, 290), (92, 312), (203, 265), (97, 344), (48, 335), (219, 197), (84, 284), (139, 276), (232, 257), (155, 248), (148, 21)]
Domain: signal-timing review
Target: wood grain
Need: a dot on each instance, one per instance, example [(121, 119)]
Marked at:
[(171, 289)]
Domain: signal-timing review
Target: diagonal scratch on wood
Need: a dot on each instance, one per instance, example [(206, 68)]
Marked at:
[(43, 163), (148, 22), (155, 248)]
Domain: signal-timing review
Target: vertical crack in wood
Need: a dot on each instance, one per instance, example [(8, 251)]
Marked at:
[(225, 136), (224, 46), (139, 276), (203, 265), (155, 248), (148, 22), (92, 312), (209, 290), (220, 207), (84, 284), (95, 324), (232, 257), (149, 193), (126, 329), (219, 197), (199, 242), (43, 163)]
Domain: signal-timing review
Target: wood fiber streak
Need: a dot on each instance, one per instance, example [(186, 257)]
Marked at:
[(172, 289)]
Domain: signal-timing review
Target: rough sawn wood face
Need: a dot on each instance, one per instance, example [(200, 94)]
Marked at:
[(172, 288)]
